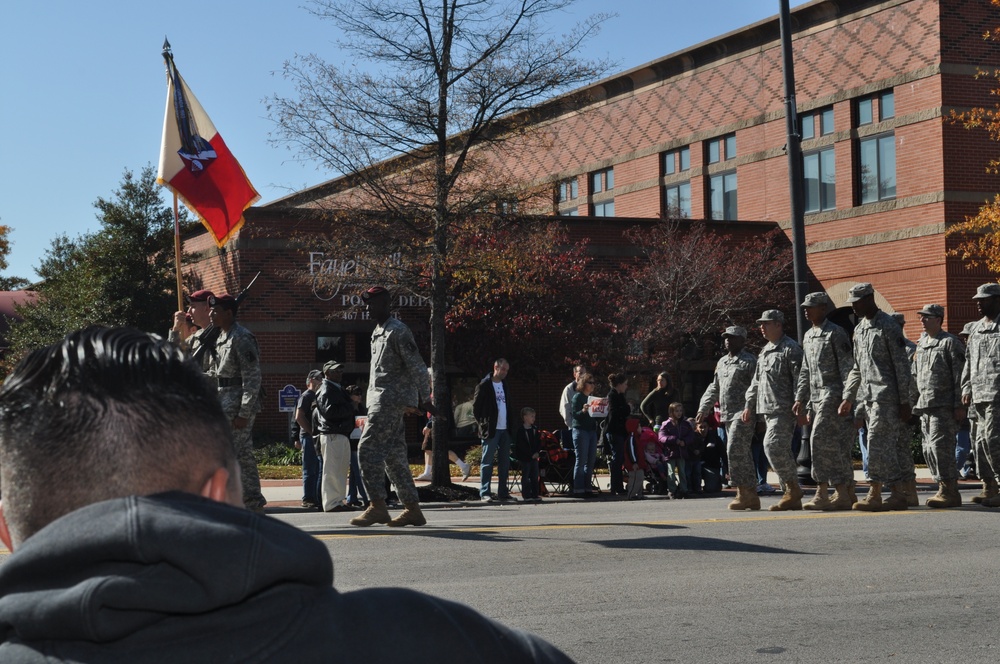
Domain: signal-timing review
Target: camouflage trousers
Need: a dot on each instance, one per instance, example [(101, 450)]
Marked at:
[(243, 445), (381, 451), (738, 439), (987, 440), (831, 440), (883, 426), (778, 446), (938, 426), (903, 448)]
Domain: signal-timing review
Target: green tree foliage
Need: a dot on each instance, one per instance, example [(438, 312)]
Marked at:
[(8, 283), (120, 275)]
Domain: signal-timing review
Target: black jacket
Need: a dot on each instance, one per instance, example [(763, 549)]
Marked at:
[(484, 408), (526, 443), (335, 409), (178, 578)]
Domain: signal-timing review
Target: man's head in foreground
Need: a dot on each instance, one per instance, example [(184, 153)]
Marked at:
[(102, 414)]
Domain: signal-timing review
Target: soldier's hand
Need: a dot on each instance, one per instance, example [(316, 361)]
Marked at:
[(698, 417), (802, 419), (178, 319), (966, 400), (745, 416), (797, 409), (845, 408), (239, 422), (905, 412)]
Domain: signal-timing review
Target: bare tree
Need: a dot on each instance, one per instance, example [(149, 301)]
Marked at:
[(438, 98)]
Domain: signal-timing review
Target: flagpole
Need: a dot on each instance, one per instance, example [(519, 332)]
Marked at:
[(177, 256)]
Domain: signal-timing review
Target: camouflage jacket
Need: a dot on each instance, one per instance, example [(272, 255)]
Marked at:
[(826, 362), (235, 366), (200, 346), (937, 372), (981, 376), (729, 385), (773, 387), (881, 371), (398, 376)]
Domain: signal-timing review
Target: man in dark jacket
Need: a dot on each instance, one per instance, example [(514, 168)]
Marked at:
[(491, 407), (154, 558), (335, 416)]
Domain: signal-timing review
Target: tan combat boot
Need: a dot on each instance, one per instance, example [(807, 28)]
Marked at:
[(821, 501), (792, 500), (912, 497), (947, 495), (990, 489), (899, 498), (873, 501), (746, 499), (843, 497), (377, 512), (411, 516)]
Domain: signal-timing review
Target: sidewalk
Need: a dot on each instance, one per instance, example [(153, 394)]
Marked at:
[(288, 493)]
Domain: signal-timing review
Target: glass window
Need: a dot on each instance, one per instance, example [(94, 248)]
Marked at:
[(877, 156), (714, 155), (808, 121), (568, 190), (602, 180), (722, 148), (819, 169), (569, 212), (887, 105), (865, 116), (677, 201), (596, 183), (722, 196), (330, 347), (605, 209), (685, 155), (731, 146), (670, 163), (676, 161), (826, 121)]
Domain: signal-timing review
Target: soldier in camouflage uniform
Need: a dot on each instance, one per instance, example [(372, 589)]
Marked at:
[(397, 382), (977, 445), (936, 392), (200, 346), (880, 380), (981, 389), (770, 398), (235, 366), (827, 361), (733, 374), (904, 443)]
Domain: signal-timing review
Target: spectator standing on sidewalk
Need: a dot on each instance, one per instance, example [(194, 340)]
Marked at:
[(656, 406), (491, 406), (311, 463), (618, 413)]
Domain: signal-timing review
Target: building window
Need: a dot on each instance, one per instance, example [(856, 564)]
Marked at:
[(330, 347), (877, 173), (826, 121), (881, 105), (823, 116), (808, 121), (569, 212), (676, 161), (677, 201), (722, 148), (819, 169), (605, 209), (567, 190), (722, 196), (602, 181)]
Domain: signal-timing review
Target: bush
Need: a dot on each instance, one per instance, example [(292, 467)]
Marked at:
[(277, 454)]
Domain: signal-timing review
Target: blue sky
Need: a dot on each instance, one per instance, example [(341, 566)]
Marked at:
[(83, 90)]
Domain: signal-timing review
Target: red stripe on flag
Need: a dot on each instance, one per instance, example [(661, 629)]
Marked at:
[(219, 194)]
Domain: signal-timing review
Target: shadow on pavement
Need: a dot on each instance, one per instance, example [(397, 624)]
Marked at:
[(692, 543)]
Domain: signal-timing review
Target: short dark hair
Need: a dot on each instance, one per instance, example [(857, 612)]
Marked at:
[(617, 379), (102, 414)]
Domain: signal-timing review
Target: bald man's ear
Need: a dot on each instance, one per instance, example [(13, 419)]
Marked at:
[(217, 488), (4, 531)]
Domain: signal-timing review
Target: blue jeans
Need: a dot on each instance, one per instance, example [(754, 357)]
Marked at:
[(693, 469), (863, 444), (499, 444), (312, 470), (585, 446), (963, 445), (759, 458), (355, 486)]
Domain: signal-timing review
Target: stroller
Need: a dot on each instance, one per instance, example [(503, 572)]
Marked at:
[(556, 464)]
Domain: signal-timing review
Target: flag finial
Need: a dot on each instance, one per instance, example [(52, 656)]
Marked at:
[(166, 48)]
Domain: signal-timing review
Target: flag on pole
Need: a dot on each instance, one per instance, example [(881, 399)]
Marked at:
[(196, 164)]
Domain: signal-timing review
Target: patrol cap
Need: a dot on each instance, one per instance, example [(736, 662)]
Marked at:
[(332, 365), (315, 374), (932, 310), (200, 296), (374, 291), (735, 331), (859, 291), (817, 299), (771, 315), (967, 330), (987, 290), (224, 301)]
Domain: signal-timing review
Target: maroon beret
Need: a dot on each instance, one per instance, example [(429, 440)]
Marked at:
[(226, 301), (200, 296), (372, 292)]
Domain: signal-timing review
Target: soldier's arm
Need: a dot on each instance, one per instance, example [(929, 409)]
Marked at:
[(406, 348), (248, 358), (802, 387), (914, 387), (751, 395), (900, 363), (844, 353), (956, 353), (711, 395)]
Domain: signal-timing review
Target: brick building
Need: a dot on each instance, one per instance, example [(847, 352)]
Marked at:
[(700, 133)]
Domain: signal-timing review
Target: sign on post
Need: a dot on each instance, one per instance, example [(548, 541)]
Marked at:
[(287, 398)]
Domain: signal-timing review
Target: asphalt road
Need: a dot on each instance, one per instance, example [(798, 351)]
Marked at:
[(689, 581)]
